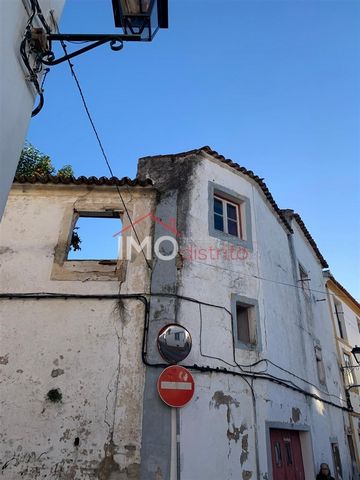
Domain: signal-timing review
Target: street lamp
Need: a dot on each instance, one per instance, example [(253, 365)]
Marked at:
[(139, 20), (356, 352), (141, 17)]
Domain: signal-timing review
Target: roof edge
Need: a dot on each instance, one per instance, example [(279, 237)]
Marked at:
[(310, 239), (331, 278), (82, 180), (213, 153)]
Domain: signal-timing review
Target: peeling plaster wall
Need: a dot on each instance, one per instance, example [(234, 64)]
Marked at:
[(217, 430), (87, 350), (218, 435)]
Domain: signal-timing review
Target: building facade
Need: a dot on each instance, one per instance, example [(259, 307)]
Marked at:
[(71, 335), (345, 315), (242, 276)]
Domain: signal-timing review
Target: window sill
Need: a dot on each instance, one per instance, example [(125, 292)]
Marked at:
[(249, 347), (226, 237), (82, 270)]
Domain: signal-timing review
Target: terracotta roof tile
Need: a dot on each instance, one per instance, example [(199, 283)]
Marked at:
[(54, 179)]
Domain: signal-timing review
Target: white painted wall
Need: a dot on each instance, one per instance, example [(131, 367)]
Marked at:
[(217, 428), (17, 95), (89, 349), (351, 338)]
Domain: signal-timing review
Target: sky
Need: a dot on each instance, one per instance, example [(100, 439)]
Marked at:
[(273, 85)]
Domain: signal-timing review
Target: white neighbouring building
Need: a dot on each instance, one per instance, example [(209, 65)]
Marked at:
[(345, 315), (78, 351), (17, 95)]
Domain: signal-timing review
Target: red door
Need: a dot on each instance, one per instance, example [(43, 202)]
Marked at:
[(286, 455)]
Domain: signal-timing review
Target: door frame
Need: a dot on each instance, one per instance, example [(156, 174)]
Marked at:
[(305, 442)]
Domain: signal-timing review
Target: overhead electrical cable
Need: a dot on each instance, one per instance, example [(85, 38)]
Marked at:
[(102, 149)]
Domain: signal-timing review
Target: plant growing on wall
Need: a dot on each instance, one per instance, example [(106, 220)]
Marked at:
[(75, 240), (33, 162)]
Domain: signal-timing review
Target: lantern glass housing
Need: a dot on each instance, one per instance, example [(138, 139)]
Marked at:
[(356, 352), (141, 17)]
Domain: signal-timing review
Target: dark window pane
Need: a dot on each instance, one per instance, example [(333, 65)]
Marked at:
[(288, 453), (232, 227), (218, 206), (336, 457), (218, 222), (243, 332), (231, 211), (277, 454)]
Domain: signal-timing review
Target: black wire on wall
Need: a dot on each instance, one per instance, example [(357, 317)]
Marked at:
[(201, 368)]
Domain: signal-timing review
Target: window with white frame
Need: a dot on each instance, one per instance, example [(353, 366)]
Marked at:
[(227, 216)]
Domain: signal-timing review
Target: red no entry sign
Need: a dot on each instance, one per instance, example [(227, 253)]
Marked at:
[(176, 386)]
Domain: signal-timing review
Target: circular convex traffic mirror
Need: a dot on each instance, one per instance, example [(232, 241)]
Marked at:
[(174, 343)]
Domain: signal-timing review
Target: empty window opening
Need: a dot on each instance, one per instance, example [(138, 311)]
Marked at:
[(93, 237), (227, 217), (348, 370), (340, 318), (246, 323), (320, 365)]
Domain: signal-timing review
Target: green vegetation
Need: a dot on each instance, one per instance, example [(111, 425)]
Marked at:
[(33, 162)]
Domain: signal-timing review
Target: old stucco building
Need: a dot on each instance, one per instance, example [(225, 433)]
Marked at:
[(78, 348), (345, 314)]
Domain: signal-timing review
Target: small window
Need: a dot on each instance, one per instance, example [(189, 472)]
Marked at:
[(337, 460), (277, 451), (320, 365), (340, 318), (304, 280), (227, 216), (93, 237), (348, 370), (289, 460), (358, 323), (246, 322)]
